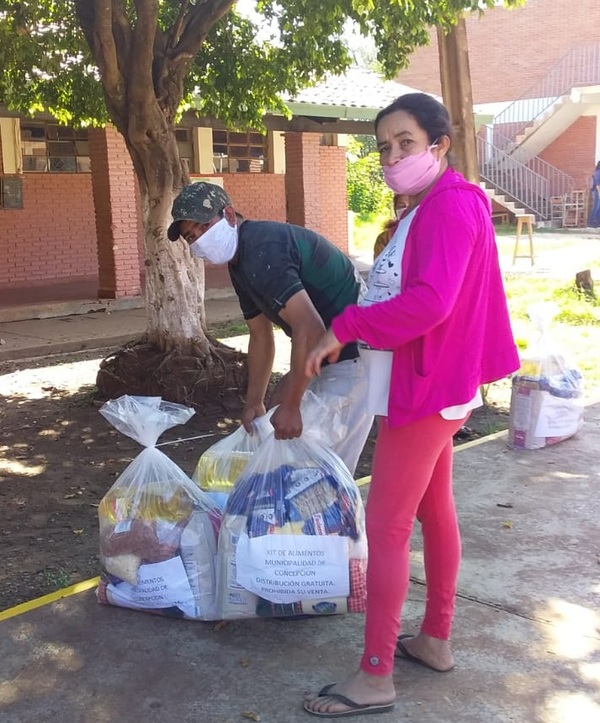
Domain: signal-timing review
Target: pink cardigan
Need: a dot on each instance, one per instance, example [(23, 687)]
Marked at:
[(449, 327)]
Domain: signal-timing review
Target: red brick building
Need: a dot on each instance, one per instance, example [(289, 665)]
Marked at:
[(70, 235), (70, 225), (543, 47)]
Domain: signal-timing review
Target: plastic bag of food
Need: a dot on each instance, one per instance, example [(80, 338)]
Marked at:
[(158, 531), (546, 404), (293, 541), (221, 464)]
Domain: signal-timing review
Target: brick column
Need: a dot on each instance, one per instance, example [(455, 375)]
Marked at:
[(315, 185), (302, 179), (118, 222), (333, 221)]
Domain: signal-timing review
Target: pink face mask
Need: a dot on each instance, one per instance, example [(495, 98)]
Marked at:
[(413, 174)]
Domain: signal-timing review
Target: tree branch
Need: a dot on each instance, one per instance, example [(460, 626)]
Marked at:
[(197, 23), (95, 18), (175, 33), (122, 35), (142, 49), (184, 39)]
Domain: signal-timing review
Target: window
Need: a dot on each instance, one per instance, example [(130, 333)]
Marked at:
[(51, 148), (183, 136), (235, 152)]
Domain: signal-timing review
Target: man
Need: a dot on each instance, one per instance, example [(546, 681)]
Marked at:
[(292, 277)]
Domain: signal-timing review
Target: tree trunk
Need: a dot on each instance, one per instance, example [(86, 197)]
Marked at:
[(176, 359), (458, 97), (174, 285)]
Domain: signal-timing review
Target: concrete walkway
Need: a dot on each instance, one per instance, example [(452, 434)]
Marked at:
[(526, 636), (96, 329)]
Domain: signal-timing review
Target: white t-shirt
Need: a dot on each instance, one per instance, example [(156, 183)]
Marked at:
[(384, 282)]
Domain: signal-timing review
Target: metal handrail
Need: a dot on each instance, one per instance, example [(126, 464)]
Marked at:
[(579, 67), (530, 185)]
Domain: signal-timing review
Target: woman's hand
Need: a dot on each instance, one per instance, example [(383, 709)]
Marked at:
[(328, 348)]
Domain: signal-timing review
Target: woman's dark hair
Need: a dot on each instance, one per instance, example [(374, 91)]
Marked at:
[(429, 113)]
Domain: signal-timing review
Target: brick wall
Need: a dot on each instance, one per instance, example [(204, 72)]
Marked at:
[(510, 49), (572, 152), (258, 196), (53, 238)]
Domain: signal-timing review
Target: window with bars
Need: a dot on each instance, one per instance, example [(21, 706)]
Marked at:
[(52, 148), (236, 152)]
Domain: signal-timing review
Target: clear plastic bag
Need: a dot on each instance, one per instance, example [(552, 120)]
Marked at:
[(221, 464), (158, 531), (293, 540), (547, 392)]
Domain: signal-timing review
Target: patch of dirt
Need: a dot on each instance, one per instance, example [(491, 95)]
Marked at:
[(59, 456)]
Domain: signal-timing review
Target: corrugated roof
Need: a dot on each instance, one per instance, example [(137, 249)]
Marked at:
[(360, 91)]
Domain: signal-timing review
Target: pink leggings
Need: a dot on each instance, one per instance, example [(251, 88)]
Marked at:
[(411, 477)]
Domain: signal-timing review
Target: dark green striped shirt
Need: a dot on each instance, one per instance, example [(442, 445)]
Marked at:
[(276, 260)]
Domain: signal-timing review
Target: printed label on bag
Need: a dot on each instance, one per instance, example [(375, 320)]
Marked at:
[(160, 585), (558, 417), (291, 568)]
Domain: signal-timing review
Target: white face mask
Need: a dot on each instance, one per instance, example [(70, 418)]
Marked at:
[(218, 244)]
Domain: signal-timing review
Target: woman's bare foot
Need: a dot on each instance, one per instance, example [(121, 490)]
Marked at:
[(360, 688), (431, 652)]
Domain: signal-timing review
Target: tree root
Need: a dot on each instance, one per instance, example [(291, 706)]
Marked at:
[(192, 379)]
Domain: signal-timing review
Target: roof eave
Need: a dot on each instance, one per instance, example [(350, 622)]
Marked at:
[(332, 111)]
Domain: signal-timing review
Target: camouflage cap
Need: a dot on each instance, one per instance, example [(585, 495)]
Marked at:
[(199, 202)]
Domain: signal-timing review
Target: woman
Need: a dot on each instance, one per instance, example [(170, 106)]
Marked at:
[(383, 238), (437, 304)]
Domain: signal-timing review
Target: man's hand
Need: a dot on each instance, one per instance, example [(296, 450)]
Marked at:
[(250, 413), (287, 422)]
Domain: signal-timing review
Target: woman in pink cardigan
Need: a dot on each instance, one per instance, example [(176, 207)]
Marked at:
[(433, 328)]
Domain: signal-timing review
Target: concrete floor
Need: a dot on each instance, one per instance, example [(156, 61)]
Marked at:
[(526, 636)]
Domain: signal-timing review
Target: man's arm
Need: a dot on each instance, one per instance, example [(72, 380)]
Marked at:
[(307, 328), (261, 352)]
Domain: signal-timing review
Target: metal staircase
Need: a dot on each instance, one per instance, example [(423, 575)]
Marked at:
[(511, 171)]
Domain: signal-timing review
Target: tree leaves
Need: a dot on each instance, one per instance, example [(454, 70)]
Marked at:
[(236, 76)]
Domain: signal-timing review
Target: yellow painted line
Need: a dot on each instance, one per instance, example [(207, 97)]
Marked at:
[(481, 440), (87, 584), (47, 599)]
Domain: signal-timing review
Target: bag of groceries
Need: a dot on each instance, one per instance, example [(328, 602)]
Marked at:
[(221, 464), (292, 541), (158, 531), (546, 403)]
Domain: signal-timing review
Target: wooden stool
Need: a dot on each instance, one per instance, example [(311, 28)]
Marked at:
[(524, 219)]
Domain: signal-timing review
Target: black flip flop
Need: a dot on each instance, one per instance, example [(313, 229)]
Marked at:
[(355, 708), (403, 654)]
